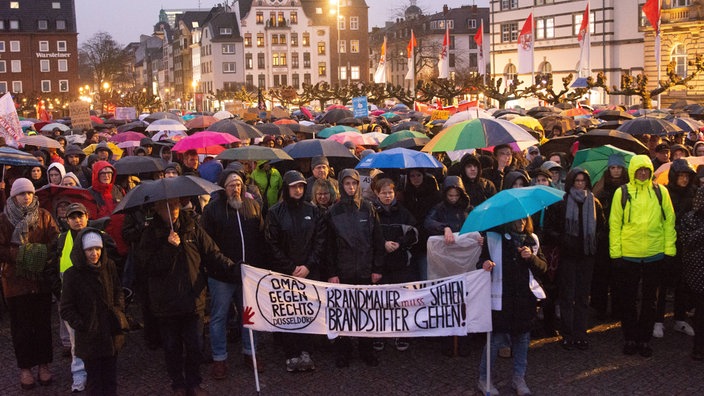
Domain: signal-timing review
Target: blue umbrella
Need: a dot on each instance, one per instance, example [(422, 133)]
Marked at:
[(327, 132), (398, 158), (510, 205), (11, 156)]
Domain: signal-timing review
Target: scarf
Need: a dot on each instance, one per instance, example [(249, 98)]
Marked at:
[(586, 198), (22, 219)]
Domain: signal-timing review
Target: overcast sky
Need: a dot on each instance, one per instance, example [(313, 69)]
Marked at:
[(125, 20)]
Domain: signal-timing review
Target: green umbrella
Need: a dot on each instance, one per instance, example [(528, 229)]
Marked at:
[(480, 133), (327, 132), (596, 160), (400, 135)]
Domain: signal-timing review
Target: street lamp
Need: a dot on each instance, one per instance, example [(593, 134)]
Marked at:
[(195, 84), (336, 11)]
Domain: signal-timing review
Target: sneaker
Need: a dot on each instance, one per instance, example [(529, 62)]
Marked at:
[(307, 363), (684, 327), (78, 387), (490, 389), (293, 365), (378, 345), (401, 344), (519, 385), (658, 330)]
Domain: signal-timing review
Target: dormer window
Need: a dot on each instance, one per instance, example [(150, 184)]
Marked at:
[(225, 31)]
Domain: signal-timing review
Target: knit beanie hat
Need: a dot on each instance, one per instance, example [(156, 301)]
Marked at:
[(92, 239), (320, 160), (616, 160), (20, 186)]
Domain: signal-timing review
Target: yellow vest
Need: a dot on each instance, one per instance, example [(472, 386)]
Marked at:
[(66, 253)]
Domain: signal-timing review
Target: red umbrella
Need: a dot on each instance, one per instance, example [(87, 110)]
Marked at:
[(51, 195), (129, 136), (204, 139), (97, 119), (307, 113), (285, 121), (201, 122), (336, 106)]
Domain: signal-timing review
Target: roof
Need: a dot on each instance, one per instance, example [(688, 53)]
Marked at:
[(30, 13)]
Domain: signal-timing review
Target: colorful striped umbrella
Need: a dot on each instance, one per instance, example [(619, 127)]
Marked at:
[(479, 133)]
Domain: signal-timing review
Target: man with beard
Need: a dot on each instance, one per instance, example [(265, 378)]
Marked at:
[(74, 156)]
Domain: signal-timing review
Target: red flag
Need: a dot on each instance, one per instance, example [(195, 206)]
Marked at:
[(584, 44), (410, 50), (525, 47), (444, 62), (479, 40), (651, 8)]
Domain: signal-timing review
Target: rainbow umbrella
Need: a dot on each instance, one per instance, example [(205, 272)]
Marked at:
[(479, 133)]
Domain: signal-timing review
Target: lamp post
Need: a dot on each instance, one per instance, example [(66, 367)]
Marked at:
[(336, 11), (195, 85)]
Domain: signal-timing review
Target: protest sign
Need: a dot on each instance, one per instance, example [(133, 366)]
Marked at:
[(80, 115)]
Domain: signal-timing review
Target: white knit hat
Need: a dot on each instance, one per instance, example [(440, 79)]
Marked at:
[(92, 239)]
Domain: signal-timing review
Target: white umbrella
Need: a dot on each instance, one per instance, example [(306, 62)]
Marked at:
[(166, 125), (469, 114), (223, 114)]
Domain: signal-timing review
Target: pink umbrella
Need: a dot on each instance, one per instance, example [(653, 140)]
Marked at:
[(355, 137), (129, 136), (204, 139)]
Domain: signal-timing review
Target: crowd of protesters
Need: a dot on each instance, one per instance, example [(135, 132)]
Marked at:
[(606, 246)]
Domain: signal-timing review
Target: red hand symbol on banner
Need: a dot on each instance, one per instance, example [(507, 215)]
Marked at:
[(247, 316)]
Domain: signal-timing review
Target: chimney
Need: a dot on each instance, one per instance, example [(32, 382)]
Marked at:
[(445, 9)]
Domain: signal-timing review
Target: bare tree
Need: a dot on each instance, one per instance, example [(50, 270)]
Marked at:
[(103, 58)]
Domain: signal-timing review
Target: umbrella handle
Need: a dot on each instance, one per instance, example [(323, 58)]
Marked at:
[(168, 210)]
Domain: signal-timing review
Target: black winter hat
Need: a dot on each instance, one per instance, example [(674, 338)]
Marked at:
[(294, 177)]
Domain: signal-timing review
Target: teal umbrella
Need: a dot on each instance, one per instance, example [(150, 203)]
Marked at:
[(329, 131), (400, 135), (596, 160), (510, 205)]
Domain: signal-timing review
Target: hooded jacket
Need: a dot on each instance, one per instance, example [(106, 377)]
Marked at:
[(107, 196), (59, 167), (511, 178), (479, 189), (355, 241), (638, 231), (446, 214), (397, 225), (82, 172), (88, 295), (690, 232), (681, 196), (295, 234), (269, 183)]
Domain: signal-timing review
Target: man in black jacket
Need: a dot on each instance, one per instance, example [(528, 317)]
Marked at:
[(172, 251)]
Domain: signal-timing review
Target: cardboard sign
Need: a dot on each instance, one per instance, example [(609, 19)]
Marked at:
[(80, 115)]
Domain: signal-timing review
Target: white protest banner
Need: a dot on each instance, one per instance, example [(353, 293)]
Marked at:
[(450, 306), (125, 113), (10, 127)]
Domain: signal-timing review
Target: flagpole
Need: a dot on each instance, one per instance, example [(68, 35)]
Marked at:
[(532, 47), (657, 47)]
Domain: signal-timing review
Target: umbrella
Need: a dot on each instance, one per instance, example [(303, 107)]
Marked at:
[(624, 141), (285, 121), (51, 194), (239, 129), (334, 115), (530, 122), (336, 106), (650, 126), (138, 126), (50, 127), (116, 151), (161, 116), (253, 153), (576, 112), (682, 103), (661, 173), (97, 119), (510, 205), (128, 144), (201, 122), (596, 160), (166, 125), (409, 143), (378, 136), (133, 165), (613, 115), (466, 115), (129, 136), (687, 124), (479, 133), (560, 144), (40, 141), (316, 147), (398, 158), (350, 121), (542, 109), (502, 112), (274, 129), (410, 126), (223, 114), (401, 135), (169, 135), (329, 131), (151, 191), (391, 117), (549, 123), (299, 128), (204, 139), (355, 137), (14, 157)]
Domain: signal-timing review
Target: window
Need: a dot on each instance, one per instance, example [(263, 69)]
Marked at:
[(578, 22), (60, 24), (306, 39), (260, 18), (282, 59), (451, 60), (452, 42), (17, 87), (343, 46), (249, 80), (544, 67), (509, 32), (16, 66), (275, 59), (354, 72), (354, 23), (280, 20), (294, 18), (225, 31), (229, 67), (545, 28), (306, 60), (2, 24), (319, 10), (295, 81), (248, 62), (282, 39), (260, 61), (61, 46), (261, 80), (321, 48), (3, 66), (42, 24), (284, 80), (63, 85), (294, 60), (307, 79), (274, 39), (44, 66), (3, 86), (681, 3), (2, 46), (260, 39), (63, 65), (354, 46), (14, 24), (473, 60), (472, 23), (510, 73), (248, 39), (322, 69), (277, 81), (294, 39), (43, 46), (14, 4), (679, 56), (343, 73), (543, 2), (56, 5), (228, 49), (509, 4), (46, 85), (341, 22)]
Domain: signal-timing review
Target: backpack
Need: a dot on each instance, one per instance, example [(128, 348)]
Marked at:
[(625, 196)]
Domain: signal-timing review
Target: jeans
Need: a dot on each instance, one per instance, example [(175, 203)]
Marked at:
[(519, 347), (180, 338), (574, 278), (637, 325), (78, 368), (222, 295)]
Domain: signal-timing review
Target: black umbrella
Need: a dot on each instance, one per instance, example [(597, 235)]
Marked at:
[(151, 191), (316, 147), (350, 121), (687, 124), (601, 137), (298, 128), (533, 112), (409, 143), (253, 153), (237, 128), (134, 165), (410, 126), (560, 144), (274, 129), (612, 115), (502, 112), (650, 126), (137, 126), (161, 115), (335, 115)]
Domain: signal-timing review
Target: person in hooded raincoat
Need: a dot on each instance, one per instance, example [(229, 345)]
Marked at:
[(691, 237), (269, 181), (478, 188)]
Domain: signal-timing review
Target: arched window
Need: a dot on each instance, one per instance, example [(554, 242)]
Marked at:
[(679, 56), (544, 67), (510, 73)]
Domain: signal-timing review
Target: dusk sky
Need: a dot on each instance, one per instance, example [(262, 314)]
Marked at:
[(125, 20)]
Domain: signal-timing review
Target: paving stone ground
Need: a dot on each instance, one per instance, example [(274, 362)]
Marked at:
[(421, 370)]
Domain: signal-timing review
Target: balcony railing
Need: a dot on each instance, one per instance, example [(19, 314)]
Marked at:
[(276, 24)]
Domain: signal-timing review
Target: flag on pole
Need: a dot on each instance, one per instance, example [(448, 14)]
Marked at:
[(525, 47), (584, 45), (444, 62), (410, 50), (380, 73), (479, 40), (651, 9), (10, 127)]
